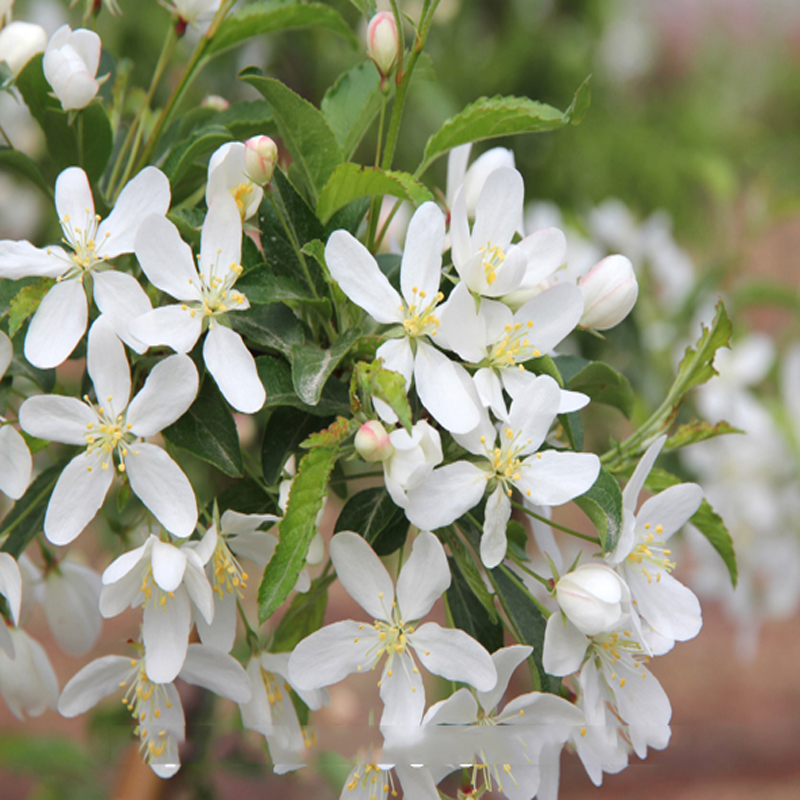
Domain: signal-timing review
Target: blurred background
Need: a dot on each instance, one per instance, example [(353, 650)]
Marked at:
[(688, 161)]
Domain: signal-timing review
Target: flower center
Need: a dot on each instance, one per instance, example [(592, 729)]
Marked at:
[(107, 435), (241, 194), (650, 552), (376, 781), (152, 591), (419, 317), (615, 648), (275, 691), (505, 460), (513, 348), (216, 292), (228, 574), (82, 240), (492, 261)]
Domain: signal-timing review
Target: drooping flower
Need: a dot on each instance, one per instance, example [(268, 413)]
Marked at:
[(333, 652), (436, 377), (70, 64), (113, 429), (61, 319), (206, 296)]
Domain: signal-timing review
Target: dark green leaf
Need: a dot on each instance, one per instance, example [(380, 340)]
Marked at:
[(352, 103), (469, 571), (312, 366), (265, 285), (207, 430), (274, 326), (304, 616), (705, 519), (348, 218), (25, 166), (276, 375), (469, 614), (26, 302), (285, 429), (297, 529), (26, 518), (304, 131), (545, 365), (247, 497), (604, 385), (352, 181), (187, 151), (371, 513), (257, 19), (603, 505)]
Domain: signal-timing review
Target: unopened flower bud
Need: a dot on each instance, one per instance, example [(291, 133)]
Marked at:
[(382, 41), (260, 157), (215, 102), (609, 293), (592, 597), (372, 442), (70, 64), (20, 42)]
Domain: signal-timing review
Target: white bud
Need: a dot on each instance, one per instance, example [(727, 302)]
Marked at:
[(215, 102), (592, 597), (70, 65), (609, 293), (20, 42), (260, 157), (382, 41), (372, 442)]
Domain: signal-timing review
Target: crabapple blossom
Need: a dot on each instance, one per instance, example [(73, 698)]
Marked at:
[(20, 42), (115, 427), (474, 177), (228, 171), (206, 296), (60, 320), (413, 458), (609, 291), (593, 597), (70, 64), (27, 680), (372, 442), (335, 651)]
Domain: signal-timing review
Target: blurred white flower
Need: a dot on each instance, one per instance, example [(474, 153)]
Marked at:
[(19, 42)]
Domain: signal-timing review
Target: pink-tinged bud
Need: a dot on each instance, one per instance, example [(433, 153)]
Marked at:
[(215, 102), (382, 41), (592, 597), (609, 293), (260, 157), (372, 442)]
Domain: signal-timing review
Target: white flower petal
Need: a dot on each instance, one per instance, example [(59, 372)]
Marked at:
[(71, 603), (108, 367), (217, 672), (421, 267), (362, 574), (74, 201), (6, 353), (161, 485), (496, 516), (234, 369), (557, 477), (77, 497), (15, 463), (498, 213), (423, 578), (21, 259), (56, 418), (197, 585), (630, 495), (148, 193), (457, 160), (564, 646), (670, 509), (546, 251), (461, 328), (221, 632), (505, 661), (668, 606), (448, 493), (174, 326), (58, 325), (166, 259), (360, 278), (169, 564), (461, 248), (402, 692), (221, 238), (455, 655), (170, 388), (11, 584), (121, 299), (555, 313), (90, 685), (165, 634), (398, 357)]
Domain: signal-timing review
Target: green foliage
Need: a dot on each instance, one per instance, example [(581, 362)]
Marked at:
[(352, 181), (304, 616), (697, 431), (200, 143), (696, 366), (26, 167), (274, 327), (469, 613), (24, 304), (603, 505), (276, 375), (207, 430), (297, 530), (312, 366), (372, 380), (371, 513), (601, 382), (285, 430)]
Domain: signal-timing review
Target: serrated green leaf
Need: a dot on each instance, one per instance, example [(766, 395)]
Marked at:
[(525, 615), (352, 181), (304, 130), (25, 303), (697, 431), (335, 434), (276, 375), (352, 103), (490, 117), (372, 380), (26, 518), (469, 614), (604, 384), (25, 166), (372, 513), (603, 505), (257, 19), (207, 430), (304, 616), (286, 428), (705, 519), (312, 366), (696, 366), (274, 326), (297, 529), (187, 151)]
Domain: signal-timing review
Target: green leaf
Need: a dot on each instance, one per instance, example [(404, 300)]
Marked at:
[(603, 505), (248, 497), (336, 433), (469, 572), (372, 380), (604, 385), (26, 518), (207, 430), (351, 181), (469, 614), (187, 151), (352, 103), (312, 366), (490, 117), (705, 519), (257, 19), (297, 529), (573, 429), (285, 430), (372, 513), (304, 616), (265, 285), (304, 130), (697, 431), (368, 9), (525, 615), (276, 375), (26, 302), (26, 167), (274, 326), (545, 365)]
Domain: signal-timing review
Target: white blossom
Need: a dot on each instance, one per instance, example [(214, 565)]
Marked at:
[(27, 680), (227, 172), (70, 64), (20, 42), (15, 458)]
